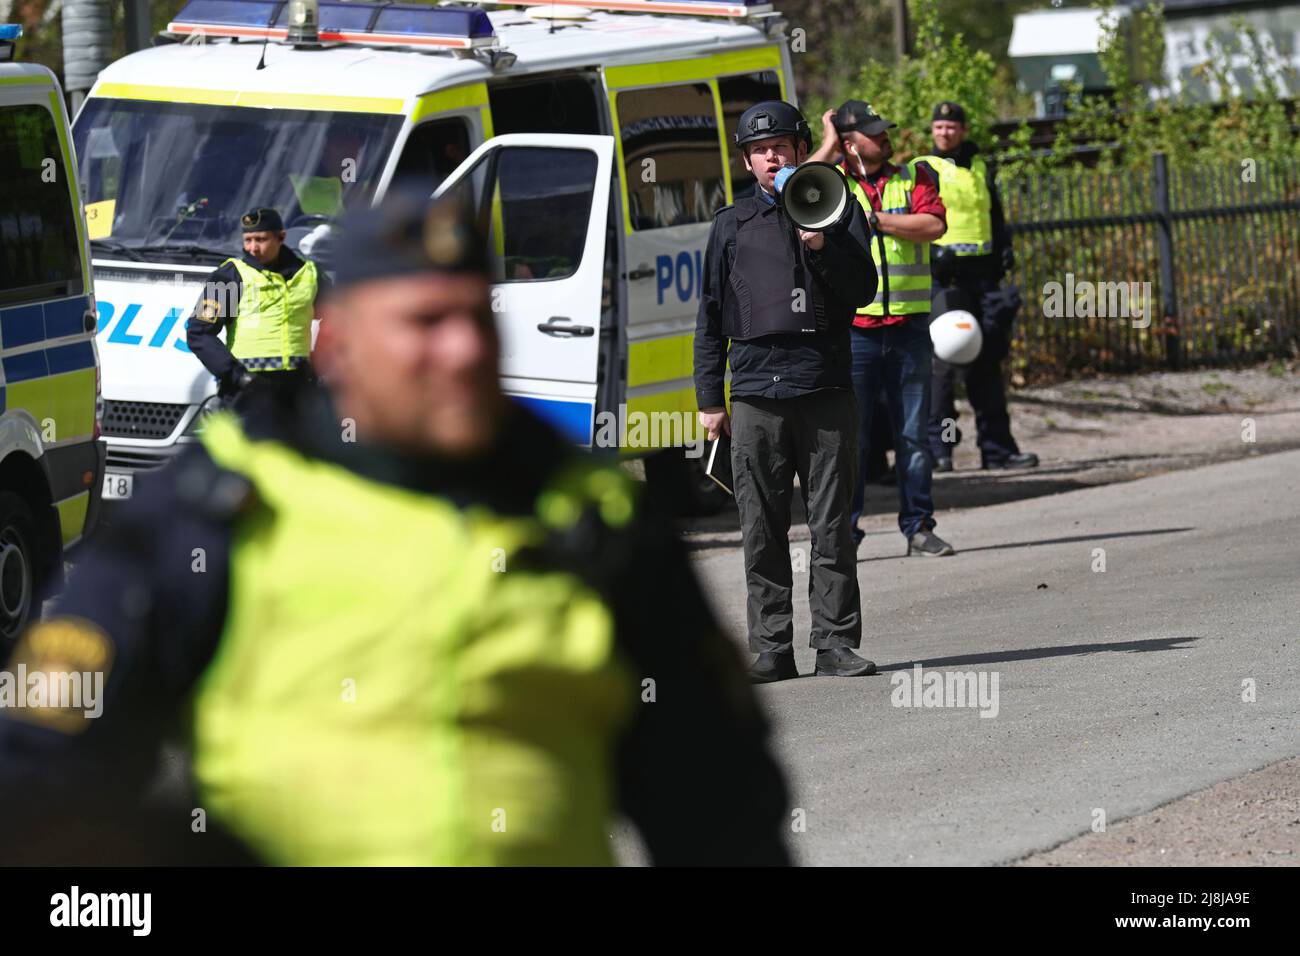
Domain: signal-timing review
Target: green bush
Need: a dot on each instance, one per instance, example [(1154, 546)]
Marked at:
[(1143, 115), (941, 67), (1129, 125)]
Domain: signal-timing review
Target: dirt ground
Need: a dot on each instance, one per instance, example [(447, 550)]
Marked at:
[(1104, 430), (1109, 429), (1250, 821)]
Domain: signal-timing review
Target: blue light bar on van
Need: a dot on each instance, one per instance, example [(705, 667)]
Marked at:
[(10, 34), (371, 24), (690, 8)]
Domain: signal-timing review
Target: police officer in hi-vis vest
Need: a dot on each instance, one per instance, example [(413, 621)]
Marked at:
[(265, 300), (776, 303), (395, 619), (891, 334), (971, 258)]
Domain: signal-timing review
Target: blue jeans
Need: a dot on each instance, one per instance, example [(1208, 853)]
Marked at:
[(898, 359)]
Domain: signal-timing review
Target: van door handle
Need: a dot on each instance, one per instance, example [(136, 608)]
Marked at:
[(89, 320), (560, 325), (642, 271)]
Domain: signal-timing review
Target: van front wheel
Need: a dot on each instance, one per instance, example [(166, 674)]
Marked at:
[(18, 563)]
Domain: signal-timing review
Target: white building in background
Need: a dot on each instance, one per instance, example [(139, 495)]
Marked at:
[(1056, 46), (1193, 28)]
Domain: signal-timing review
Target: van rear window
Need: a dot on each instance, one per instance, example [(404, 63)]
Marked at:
[(739, 93), (671, 155), (38, 230)]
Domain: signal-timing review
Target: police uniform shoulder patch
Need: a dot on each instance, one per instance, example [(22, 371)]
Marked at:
[(57, 674), (209, 310)]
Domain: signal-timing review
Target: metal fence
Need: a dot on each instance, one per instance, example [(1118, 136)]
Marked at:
[(1172, 267)]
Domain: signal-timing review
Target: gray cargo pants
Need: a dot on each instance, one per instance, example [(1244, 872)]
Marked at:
[(813, 436)]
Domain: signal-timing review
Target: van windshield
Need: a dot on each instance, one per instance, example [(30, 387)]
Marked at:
[(170, 180)]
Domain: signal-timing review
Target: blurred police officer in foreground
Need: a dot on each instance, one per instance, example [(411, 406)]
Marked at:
[(402, 621), (266, 301), (891, 336), (783, 298), (971, 258)]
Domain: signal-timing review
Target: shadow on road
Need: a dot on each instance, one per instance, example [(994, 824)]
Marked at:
[(975, 488), (962, 489), (1073, 539), (1041, 653)]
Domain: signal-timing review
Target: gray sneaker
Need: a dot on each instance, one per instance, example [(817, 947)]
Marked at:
[(927, 544)]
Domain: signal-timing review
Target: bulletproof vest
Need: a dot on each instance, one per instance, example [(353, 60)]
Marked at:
[(767, 271)]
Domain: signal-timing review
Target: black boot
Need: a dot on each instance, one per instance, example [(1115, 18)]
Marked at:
[(1024, 459), (772, 666), (842, 662)]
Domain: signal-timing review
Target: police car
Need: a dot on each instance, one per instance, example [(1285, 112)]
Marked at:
[(600, 133), (51, 461)]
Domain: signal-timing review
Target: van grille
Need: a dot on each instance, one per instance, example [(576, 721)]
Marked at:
[(137, 459), (141, 419)]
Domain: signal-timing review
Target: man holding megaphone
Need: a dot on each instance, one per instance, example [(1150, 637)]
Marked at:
[(785, 269), (891, 338)]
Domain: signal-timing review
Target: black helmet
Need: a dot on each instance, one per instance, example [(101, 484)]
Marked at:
[(772, 118)]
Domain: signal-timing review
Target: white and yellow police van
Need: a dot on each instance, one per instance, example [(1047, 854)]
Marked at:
[(51, 461), (602, 133)]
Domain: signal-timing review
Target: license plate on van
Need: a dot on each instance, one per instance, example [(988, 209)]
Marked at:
[(118, 485)]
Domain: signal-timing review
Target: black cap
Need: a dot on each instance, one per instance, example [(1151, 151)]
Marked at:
[(261, 219), (858, 116), (407, 234), (772, 118), (948, 110)]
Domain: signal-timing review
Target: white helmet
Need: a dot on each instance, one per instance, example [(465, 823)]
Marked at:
[(957, 337)]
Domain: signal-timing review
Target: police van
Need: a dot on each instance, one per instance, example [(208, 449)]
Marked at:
[(601, 132), (51, 460)]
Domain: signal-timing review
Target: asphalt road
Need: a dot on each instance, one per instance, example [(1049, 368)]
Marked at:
[(1117, 690)]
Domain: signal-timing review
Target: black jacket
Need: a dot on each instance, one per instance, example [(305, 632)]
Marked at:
[(700, 745), (780, 366), (218, 306)]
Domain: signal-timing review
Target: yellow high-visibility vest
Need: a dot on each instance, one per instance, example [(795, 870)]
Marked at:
[(908, 262), (398, 699), (273, 327), (966, 198)]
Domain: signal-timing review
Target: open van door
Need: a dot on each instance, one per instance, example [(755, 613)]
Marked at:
[(543, 198)]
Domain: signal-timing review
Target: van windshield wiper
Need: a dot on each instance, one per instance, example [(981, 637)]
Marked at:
[(193, 250), (115, 248), (156, 251)]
